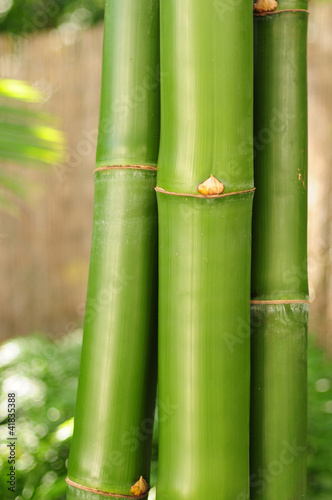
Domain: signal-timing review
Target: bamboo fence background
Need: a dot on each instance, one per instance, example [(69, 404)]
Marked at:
[(44, 254)]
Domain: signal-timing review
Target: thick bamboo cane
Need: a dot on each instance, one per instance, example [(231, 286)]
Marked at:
[(205, 249), (279, 264), (116, 395)]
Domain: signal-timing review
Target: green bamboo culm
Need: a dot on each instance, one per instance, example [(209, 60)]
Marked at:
[(279, 262), (205, 249), (111, 444)]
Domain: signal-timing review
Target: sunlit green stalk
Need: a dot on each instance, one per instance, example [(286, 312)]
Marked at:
[(205, 250), (279, 265), (116, 394)]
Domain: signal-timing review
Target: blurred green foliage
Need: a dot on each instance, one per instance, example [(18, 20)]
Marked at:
[(319, 424), (27, 137), (44, 376), (27, 16)]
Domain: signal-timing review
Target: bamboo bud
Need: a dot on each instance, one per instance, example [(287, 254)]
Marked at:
[(211, 187), (140, 487), (265, 5)]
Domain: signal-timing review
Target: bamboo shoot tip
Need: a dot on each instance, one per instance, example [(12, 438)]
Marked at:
[(211, 186), (140, 487)]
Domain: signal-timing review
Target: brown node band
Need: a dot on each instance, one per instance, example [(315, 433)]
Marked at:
[(104, 493), (130, 167), (192, 195), (272, 302), (262, 14)]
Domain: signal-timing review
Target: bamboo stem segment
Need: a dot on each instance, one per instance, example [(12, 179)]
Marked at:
[(111, 444), (279, 262), (204, 249)]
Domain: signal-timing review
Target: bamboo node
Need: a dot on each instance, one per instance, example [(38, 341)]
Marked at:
[(265, 5), (278, 302), (107, 494), (124, 167), (211, 186), (140, 487)]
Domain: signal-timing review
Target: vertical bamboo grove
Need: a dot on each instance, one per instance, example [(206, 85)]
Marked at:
[(204, 250), (279, 263), (117, 382)]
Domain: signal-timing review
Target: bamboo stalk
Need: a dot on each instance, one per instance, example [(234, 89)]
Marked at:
[(279, 263), (111, 444), (204, 250)]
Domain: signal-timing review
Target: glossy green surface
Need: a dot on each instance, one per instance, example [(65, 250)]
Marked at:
[(206, 94), (204, 251), (204, 347), (111, 444), (130, 93), (292, 4), (279, 402), (279, 265), (116, 392)]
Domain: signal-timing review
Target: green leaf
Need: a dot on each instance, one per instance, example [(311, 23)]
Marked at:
[(26, 138), (16, 89)]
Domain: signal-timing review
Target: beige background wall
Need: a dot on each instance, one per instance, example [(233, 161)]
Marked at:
[(44, 255)]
